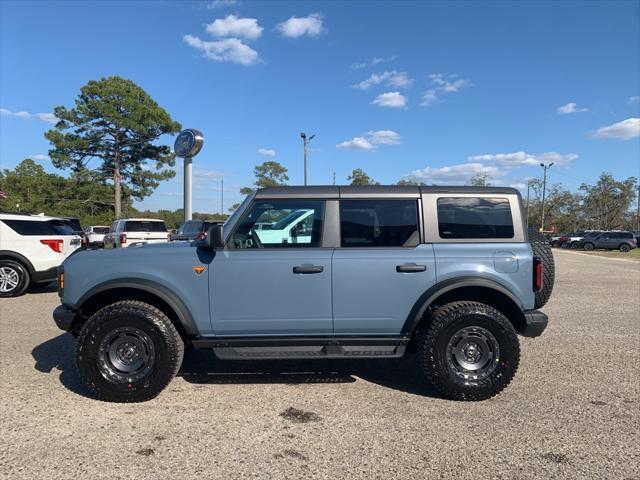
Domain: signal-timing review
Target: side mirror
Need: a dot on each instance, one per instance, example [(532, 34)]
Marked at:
[(215, 237)]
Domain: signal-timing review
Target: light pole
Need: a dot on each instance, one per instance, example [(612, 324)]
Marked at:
[(544, 191), (306, 141)]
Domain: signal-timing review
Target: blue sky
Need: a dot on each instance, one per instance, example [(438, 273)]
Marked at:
[(431, 90)]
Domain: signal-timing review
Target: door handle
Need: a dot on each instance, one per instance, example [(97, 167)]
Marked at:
[(306, 269), (410, 268)]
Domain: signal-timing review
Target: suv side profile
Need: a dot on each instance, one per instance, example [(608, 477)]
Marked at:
[(31, 248), (448, 272), (623, 241), (135, 231)]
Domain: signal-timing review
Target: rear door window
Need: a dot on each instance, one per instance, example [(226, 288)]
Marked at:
[(474, 217), (379, 223)]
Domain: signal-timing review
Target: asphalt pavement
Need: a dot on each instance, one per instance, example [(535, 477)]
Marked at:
[(573, 410)]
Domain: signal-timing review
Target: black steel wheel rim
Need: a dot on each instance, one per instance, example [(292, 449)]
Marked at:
[(473, 353), (126, 355)]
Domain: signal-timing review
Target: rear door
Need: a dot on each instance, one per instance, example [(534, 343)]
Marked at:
[(381, 268)]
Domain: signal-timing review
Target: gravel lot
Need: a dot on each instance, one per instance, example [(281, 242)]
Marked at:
[(573, 409)]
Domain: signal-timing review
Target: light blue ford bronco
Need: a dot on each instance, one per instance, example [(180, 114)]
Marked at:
[(450, 274)]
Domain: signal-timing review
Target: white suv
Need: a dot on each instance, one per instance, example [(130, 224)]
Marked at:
[(94, 235), (31, 248), (135, 231)]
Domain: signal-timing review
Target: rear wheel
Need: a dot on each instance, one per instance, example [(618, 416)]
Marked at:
[(128, 352), (542, 250), (588, 246), (625, 247), (468, 351), (14, 278)]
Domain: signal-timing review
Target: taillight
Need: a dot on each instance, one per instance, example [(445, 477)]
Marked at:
[(123, 238), (537, 274), (201, 236), (55, 245)]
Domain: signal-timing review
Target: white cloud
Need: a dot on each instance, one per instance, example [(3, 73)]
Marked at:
[(384, 137), (369, 141), (45, 117), (442, 83), (624, 130), (232, 26), (524, 159), (634, 99), (296, 27), (460, 173), (391, 100), (39, 157), (372, 63), (267, 152), (225, 50), (357, 143), (389, 78), (223, 4), (570, 107)]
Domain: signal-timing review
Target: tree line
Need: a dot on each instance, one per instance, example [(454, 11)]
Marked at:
[(108, 142)]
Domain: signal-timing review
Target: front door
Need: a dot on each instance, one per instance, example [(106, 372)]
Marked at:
[(273, 285), (381, 269)]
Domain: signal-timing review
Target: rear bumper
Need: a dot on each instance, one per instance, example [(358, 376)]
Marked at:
[(64, 317), (45, 275), (535, 323)]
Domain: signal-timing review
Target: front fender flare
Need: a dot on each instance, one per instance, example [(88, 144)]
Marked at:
[(149, 286)]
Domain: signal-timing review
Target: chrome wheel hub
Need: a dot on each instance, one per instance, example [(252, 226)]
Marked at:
[(9, 279)]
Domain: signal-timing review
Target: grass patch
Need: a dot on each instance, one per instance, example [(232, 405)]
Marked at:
[(632, 255)]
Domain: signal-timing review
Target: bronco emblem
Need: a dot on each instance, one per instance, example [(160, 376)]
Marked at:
[(198, 269)]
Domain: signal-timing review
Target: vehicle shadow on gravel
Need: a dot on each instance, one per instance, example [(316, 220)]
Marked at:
[(50, 287), (58, 353), (202, 367)]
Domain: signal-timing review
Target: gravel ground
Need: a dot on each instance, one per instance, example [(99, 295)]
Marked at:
[(571, 412)]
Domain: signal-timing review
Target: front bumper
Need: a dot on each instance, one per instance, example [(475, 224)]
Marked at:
[(64, 317), (45, 275), (535, 323)]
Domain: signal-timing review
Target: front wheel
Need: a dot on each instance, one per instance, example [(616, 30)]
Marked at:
[(588, 246), (625, 248), (468, 351), (128, 352)]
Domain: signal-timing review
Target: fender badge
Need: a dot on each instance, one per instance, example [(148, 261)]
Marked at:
[(198, 269)]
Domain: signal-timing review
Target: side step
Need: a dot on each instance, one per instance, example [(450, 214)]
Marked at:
[(304, 347)]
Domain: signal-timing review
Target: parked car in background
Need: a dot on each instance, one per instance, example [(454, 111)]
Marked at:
[(554, 240), (636, 233), (194, 230), (135, 231), (623, 241), (94, 235), (571, 240), (31, 248)]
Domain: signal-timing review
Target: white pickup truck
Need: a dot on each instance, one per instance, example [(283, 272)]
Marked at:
[(135, 231)]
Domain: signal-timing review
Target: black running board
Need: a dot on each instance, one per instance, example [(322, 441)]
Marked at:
[(273, 348)]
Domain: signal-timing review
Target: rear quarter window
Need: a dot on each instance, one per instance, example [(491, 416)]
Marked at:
[(474, 217), (39, 228)]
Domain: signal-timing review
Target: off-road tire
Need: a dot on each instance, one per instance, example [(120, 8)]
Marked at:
[(434, 356), (625, 248), (542, 250), (17, 272), (99, 368)]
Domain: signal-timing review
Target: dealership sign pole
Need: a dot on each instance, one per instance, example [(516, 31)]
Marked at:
[(188, 143)]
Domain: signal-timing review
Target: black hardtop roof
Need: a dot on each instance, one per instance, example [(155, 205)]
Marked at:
[(373, 191)]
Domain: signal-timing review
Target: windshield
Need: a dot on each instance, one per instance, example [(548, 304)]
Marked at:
[(233, 219)]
